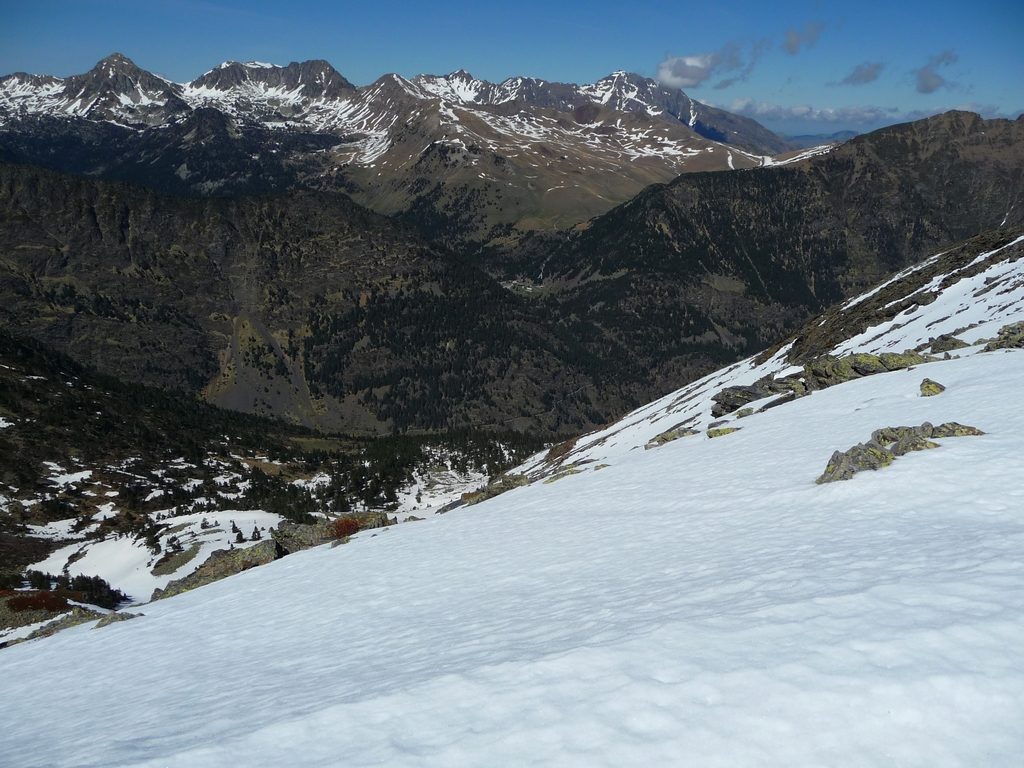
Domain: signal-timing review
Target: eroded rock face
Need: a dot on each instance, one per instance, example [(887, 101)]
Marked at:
[(886, 444)]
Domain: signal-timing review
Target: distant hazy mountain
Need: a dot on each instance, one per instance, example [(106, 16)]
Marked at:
[(805, 140)]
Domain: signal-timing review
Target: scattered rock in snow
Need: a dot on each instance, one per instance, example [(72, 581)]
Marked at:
[(1009, 337), (720, 431), (931, 388), (947, 342), (845, 464), (731, 398), (116, 616), (572, 469), (673, 433), (506, 482), (953, 429), (820, 373)]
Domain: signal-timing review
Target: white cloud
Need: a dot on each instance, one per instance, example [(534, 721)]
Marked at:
[(685, 71)]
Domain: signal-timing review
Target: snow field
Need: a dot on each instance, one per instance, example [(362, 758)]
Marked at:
[(704, 603)]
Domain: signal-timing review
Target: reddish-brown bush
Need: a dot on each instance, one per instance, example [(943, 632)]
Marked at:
[(344, 526), (37, 601)]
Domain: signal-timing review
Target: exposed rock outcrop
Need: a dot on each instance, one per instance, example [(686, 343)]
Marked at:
[(223, 563), (1009, 337), (886, 445), (947, 343), (670, 434), (116, 616)]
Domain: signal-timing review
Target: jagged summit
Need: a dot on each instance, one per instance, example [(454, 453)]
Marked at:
[(316, 78), (448, 146)]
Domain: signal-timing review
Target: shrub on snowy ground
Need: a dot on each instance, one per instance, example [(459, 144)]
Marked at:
[(344, 526), (37, 601)]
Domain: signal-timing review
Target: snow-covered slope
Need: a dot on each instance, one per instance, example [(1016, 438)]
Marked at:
[(701, 603), (969, 292)]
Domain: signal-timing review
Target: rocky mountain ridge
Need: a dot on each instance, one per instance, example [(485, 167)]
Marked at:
[(464, 158)]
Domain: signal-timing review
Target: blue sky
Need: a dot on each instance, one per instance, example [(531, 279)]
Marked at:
[(797, 66)]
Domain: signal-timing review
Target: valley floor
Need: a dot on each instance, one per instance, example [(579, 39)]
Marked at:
[(704, 603)]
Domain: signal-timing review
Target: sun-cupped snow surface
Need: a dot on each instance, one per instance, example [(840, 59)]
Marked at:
[(705, 604)]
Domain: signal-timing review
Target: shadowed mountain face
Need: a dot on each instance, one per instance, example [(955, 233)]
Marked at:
[(465, 160), (303, 306), (307, 306), (753, 253)]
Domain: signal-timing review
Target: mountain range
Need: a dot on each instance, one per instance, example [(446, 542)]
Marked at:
[(307, 306), (465, 159)]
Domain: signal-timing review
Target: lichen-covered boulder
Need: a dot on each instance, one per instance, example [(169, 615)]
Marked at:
[(732, 398), (953, 429), (888, 443), (845, 464), (896, 361), (720, 431), (931, 388), (674, 433), (828, 370), (865, 364), (911, 442)]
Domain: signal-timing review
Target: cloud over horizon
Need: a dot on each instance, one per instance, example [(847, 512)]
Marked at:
[(863, 116), (797, 37), (928, 78), (728, 61), (862, 74)]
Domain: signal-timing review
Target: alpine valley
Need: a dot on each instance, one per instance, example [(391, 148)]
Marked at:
[(438, 418)]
